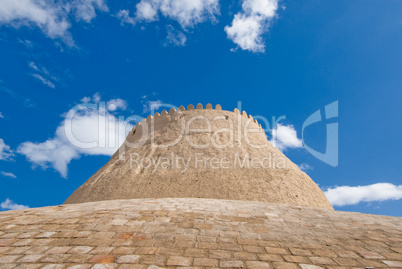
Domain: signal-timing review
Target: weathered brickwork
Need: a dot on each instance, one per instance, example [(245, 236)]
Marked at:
[(196, 233)]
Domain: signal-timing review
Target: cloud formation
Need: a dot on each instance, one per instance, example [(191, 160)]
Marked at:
[(148, 105), (251, 23), (186, 12), (305, 167), (347, 195), (175, 37), (89, 129), (5, 151), (43, 75), (10, 205), (285, 137), (51, 17), (116, 104), (1, 116), (6, 174), (124, 16)]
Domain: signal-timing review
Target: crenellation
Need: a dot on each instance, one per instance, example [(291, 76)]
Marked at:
[(173, 112)]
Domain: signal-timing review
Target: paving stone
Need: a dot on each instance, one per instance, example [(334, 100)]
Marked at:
[(80, 250), (325, 253), (321, 260), (285, 265), (205, 262), (254, 249), (30, 258), (79, 258), (6, 242), (295, 259), (58, 250), (9, 258), (300, 252), (347, 262), (220, 254), (270, 257), (371, 255), (102, 250), (231, 264), (79, 266), (102, 259), (393, 263), (257, 265), (273, 250), (310, 266), (128, 259), (55, 258), (245, 256), (45, 235), (54, 266), (179, 261), (118, 221), (104, 266), (154, 260), (125, 250), (17, 250), (135, 266), (195, 252)]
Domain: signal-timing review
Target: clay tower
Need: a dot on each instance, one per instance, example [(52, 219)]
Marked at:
[(201, 153)]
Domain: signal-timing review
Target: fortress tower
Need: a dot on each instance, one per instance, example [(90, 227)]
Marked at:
[(201, 153)]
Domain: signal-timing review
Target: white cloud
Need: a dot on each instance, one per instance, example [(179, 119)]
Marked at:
[(86, 9), (49, 16), (44, 81), (151, 105), (186, 12), (124, 16), (1, 116), (6, 174), (43, 75), (347, 195), (91, 130), (251, 23), (175, 37), (10, 205), (284, 137), (147, 11), (116, 104), (5, 151), (305, 167)]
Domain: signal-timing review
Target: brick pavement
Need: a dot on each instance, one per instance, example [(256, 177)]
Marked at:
[(196, 233)]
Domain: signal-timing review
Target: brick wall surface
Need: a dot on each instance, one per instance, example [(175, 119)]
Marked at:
[(196, 233)]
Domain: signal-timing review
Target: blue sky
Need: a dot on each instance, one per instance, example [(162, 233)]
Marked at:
[(286, 58)]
